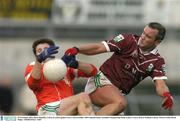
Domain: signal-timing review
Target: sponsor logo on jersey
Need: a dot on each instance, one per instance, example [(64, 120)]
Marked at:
[(150, 67), (118, 38), (163, 68)]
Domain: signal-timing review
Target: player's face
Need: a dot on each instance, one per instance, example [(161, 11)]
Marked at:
[(148, 39), (41, 47)]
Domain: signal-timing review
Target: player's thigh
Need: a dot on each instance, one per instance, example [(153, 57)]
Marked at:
[(106, 95), (69, 105)]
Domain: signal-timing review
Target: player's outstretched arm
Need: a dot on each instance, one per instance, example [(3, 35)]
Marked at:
[(47, 53), (70, 61), (163, 91), (86, 68), (90, 49), (36, 71)]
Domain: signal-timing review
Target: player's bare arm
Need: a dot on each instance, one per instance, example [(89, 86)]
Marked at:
[(36, 71), (163, 90), (87, 68), (90, 49), (161, 87)]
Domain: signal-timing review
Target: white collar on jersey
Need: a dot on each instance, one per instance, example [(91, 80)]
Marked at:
[(154, 51)]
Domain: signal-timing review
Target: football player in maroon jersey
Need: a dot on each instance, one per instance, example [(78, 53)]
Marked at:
[(134, 58)]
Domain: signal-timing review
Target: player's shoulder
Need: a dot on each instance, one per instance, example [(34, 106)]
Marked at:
[(130, 35), (136, 37), (155, 53), (30, 65), (157, 56), (159, 59), (126, 36)]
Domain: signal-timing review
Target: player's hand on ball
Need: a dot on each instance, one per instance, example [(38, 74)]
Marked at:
[(70, 61), (168, 101), (47, 53), (72, 51), (54, 70)]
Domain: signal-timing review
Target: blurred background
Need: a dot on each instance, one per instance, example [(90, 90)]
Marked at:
[(77, 22)]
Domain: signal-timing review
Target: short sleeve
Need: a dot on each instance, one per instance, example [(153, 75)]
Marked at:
[(159, 70), (119, 43)]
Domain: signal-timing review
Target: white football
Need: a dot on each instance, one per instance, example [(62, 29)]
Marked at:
[(54, 69)]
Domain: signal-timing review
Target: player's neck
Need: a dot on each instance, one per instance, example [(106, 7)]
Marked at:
[(147, 50)]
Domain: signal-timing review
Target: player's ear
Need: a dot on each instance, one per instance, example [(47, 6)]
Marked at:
[(157, 42)]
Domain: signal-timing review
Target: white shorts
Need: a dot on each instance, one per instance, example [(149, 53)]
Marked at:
[(49, 109), (96, 81)]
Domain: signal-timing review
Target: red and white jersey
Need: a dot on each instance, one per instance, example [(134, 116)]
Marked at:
[(128, 65), (47, 91)]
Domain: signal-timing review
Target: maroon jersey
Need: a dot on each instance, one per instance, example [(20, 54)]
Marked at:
[(128, 65)]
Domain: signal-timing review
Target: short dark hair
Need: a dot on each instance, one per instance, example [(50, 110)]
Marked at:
[(161, 30), (41, 41)]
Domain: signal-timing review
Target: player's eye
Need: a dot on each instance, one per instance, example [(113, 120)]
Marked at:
[(39, 51)]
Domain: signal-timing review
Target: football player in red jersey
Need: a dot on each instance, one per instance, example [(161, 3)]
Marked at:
[(57, 98), (134, 58)]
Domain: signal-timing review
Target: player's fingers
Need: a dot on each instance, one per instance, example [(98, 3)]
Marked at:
[(164, 104), (165, 107), (55, 47), (169, 108), (51, 56), (54, 52)]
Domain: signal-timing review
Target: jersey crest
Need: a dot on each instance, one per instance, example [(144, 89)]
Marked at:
[(150, 67), (163, 69), (118, 38)]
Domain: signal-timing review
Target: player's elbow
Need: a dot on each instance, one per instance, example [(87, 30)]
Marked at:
[(33, 85)]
